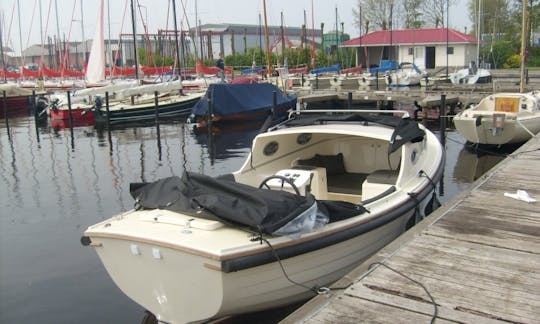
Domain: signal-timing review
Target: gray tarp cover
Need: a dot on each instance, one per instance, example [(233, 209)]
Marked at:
[(262, 210)]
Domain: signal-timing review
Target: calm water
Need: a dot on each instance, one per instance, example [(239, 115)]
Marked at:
[(55, 183)]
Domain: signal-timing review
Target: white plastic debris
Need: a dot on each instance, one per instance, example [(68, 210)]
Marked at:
[(520, 195)]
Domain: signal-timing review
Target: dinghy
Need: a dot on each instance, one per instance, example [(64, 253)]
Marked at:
[(318, 194), (501, 118)]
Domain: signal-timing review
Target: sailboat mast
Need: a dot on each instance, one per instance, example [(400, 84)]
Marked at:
[(267, 41), (133, 23), (478, 32), (176, 40), (58, 34), (82, 34), (20, 32), (2, 47), (524, 29)]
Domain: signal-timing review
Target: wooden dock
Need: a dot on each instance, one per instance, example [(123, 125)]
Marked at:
[(474, 260)]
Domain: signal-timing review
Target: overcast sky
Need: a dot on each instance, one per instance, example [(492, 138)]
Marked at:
[(155, 12)]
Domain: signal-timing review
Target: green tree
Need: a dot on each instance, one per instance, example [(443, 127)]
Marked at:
[(412, 13), (435, 12)]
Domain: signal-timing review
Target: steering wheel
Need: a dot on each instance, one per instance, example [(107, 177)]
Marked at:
[(283, 179)]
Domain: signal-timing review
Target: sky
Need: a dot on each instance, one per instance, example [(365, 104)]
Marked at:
[(154, 12)]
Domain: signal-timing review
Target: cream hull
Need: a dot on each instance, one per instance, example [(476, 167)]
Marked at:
[(185, 268), (178, 286), (513, 131)]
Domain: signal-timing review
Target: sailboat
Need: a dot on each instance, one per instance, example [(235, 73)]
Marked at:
[(82, 104), (473, 74)]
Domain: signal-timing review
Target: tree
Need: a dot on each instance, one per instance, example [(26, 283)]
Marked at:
[(412, 13), (494, 18), (376, 12), (435, 12)]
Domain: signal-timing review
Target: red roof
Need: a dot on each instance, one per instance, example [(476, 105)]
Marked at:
[(410, 36)]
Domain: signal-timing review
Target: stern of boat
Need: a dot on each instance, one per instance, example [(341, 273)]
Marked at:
[(174, 285)]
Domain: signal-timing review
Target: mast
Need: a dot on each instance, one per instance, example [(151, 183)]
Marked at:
[(20, 33), (2, 47), (95, 70), (58, 34), (133, 22), (109, 47), (524, 30), (478, 33), (176, 40), (267, 40), (313, 36), (82, 34)]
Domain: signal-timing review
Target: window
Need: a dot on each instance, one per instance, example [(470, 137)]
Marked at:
[(450, 50), (410, 51)]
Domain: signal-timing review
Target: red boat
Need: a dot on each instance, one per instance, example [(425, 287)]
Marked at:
[(18, 101), (77, 114)]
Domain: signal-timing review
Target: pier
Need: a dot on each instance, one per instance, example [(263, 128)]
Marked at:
[(474, 260)]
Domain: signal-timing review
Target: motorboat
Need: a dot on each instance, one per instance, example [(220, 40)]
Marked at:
[(318, 194), (471, 75), (321, 77), (347, 77), (408, 74), (501, 118), (229, 103), (377, 75), (147, 107)]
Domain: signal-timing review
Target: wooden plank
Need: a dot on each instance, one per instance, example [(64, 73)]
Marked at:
[(479, 258), (387, 299), (349, 309)]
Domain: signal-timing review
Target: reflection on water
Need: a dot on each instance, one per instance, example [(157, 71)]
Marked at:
[(472, 164), (58, 181)]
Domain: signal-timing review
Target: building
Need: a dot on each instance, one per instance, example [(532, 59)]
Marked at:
[(236, 38), (430, 48)]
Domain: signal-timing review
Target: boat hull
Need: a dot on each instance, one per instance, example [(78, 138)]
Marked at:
[(15, 106), (169, 285), (78, 114), (481, 129), (167, 109)]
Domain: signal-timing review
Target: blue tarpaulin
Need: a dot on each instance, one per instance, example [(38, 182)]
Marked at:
[(326, 69), (254, 70), (229, 99), (385, 65)]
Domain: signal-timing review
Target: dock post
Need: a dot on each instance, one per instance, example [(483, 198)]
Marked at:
[(69, 109), (109, 136), (107, 110), (349, 100), (274, 104), (377, 80), (36, 114), (442, 119), (210, 110), (4, 105), (156, 106), (316, 81), (70, 120)]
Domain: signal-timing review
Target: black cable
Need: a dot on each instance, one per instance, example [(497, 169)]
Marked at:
[(314, 289), (435, 311)]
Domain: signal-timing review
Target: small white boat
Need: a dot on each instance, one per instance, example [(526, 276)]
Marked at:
[(501, 118), (407, 75), (471, 75), (318, 194)]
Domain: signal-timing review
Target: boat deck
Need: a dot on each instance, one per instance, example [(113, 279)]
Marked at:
[(474, 260)]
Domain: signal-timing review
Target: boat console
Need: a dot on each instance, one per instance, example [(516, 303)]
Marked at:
[(307, 179)]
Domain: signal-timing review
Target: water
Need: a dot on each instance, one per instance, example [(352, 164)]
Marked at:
[(55, 183)]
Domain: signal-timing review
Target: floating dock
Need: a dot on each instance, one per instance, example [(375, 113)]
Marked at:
[(474, 260)]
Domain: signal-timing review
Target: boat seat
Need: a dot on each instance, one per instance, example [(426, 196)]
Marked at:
[(338, 179), (378, 182)]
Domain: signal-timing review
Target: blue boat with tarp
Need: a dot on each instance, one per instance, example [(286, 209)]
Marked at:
[(241, 103)]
